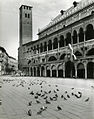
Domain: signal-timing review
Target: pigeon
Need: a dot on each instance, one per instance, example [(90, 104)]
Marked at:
[(39, 94), (39, 112), (72, 88), (68, 96), (56, 85), (43, 108), (30, 103), (51, 98), (46, 97), (59, 108), (54, 98), (62, 96), (43, 95), (72, 93), (36, 97), (65, 91), (65, 98), (37, 101), (92, 86), (32, 93), (29, 112), (77, 96), (56, 95), (87, 99), (57, 89), (41, 91), (28, 88), (49, 91), (45, 92), (47, 102)]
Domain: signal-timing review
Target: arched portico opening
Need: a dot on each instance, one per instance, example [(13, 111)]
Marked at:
[(80, 70), (34, 71), (48, 71), (54, 74), (38, 71), (90, 70), (31, 72), (69, 69), (42, 71), (60, 71)]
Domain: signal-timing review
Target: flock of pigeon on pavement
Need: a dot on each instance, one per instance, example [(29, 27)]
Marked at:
[(46, 96)]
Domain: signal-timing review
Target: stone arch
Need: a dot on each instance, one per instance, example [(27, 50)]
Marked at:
[(80, 70), (89, 34), (61, 42), (69, 69), (60, 70), (90, 70), (74, 37), (81, 35), (68, 38), (62, 56), (50, 45), (52, 58), (48, 71), (90, 52), (55, 43), (54, 73)]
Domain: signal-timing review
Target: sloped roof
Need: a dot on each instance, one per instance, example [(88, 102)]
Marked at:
[(82, 4)]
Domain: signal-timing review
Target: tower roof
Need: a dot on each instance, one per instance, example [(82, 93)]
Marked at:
[(25, 6)]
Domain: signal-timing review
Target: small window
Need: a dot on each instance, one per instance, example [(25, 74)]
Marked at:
[(25, 15), (28, 15), (29, 8)]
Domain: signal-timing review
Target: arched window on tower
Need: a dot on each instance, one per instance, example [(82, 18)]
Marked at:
[(81, 35), (89, 34), (55, 43), (74, 37), (61, 42), (68, 38)]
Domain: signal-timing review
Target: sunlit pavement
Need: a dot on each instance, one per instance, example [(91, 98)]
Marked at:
[(27, 97)]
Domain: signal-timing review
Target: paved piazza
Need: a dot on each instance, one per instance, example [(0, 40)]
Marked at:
[(46, 98)]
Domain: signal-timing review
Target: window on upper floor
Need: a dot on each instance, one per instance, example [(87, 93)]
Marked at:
[(25, 15), (28, 15)]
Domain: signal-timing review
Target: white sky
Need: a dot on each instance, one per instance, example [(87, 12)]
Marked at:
[(43, 12)]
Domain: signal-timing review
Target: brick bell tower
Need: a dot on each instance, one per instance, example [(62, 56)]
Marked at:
[(25, 23)]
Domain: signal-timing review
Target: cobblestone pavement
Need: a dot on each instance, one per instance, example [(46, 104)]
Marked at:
[(46, 98)]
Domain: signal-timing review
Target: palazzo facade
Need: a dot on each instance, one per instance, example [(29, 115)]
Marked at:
[(50, 56)]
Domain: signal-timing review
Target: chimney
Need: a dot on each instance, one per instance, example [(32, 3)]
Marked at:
[(75, 3), (62, 12)]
